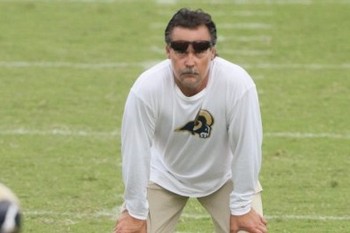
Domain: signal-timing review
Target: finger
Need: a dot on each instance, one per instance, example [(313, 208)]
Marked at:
[(262, 228), (263, 220)]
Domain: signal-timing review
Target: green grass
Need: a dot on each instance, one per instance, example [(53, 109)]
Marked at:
[(65, 71)]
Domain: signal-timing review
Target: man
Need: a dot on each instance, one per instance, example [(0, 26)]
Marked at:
[(192, 128), (10, 212)]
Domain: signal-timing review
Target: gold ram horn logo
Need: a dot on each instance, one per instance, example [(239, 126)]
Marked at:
[(201, 124)]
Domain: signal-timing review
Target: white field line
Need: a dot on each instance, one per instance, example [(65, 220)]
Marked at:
[(158, 49), (64, 1), (113, 214), (246, 52), (282, 217), (306, 135), (116, 133), (59, 132), (166, 2), (48, 64), (246, 13), (279, 2), (310, 217), (216, 2), (274, 2), (145, 64), (299, 66), (247, 26), (260, 38)]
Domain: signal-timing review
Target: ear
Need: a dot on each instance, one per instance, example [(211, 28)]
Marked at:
[(213, 53), (167, 50)]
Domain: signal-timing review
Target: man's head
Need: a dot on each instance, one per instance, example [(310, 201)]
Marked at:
[(190, 45), (190, 19)]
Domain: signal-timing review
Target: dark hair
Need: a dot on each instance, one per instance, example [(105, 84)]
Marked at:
[(191, 19)]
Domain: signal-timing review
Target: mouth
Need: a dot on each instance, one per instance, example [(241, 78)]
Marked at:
[(189, 74)]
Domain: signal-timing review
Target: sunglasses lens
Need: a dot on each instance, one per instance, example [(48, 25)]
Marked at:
[(179, 46), (201, 46), (198, 46)]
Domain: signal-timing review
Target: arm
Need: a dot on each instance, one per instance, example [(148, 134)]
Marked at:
[(245, 132), (137, 133)]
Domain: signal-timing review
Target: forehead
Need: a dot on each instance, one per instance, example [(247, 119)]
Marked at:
[(190, 34)]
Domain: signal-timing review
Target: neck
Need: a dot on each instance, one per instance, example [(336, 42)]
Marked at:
[(192, 90)]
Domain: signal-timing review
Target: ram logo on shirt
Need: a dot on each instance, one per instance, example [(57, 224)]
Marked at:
[(201, 125)]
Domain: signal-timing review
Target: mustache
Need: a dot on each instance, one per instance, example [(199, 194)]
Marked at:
[(189, 71)]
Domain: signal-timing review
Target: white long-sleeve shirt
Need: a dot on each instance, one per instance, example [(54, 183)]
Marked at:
[(192, 145)]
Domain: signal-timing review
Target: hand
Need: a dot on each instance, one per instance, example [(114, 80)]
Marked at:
[(128, 224), (251, 222)]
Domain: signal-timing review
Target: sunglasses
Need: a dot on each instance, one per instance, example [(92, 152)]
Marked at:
[(181, 46)]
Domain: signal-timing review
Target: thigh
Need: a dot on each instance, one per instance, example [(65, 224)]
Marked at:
[(218, 206), (165, 209)]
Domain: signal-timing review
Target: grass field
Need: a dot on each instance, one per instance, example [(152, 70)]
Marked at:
[(66, 67)]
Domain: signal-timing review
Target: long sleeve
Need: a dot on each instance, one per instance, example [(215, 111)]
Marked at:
[(245, 132), (137, 133)]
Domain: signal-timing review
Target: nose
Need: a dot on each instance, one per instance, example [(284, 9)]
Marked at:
[(190, 58)]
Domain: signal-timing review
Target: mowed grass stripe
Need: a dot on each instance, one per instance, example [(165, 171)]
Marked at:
[(161, 2), (114, 65), (59, 132), (116, 133), (113, 214)]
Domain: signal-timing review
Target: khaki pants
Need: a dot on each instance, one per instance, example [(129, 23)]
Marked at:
[(166, 208)]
